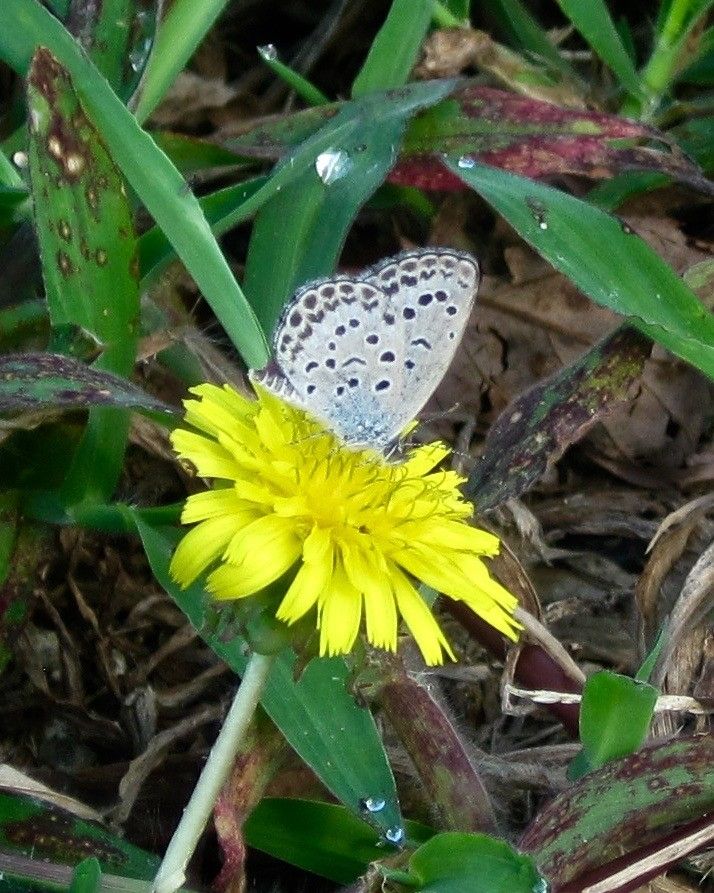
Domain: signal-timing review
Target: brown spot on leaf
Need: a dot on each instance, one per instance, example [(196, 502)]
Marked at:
[(64, 262)]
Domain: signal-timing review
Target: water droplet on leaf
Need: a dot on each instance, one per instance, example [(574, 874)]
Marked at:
[(373, 804), (332, 165), (269, 52), (394, 835)]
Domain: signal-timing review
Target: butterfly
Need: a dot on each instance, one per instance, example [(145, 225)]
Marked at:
[(364, 353)]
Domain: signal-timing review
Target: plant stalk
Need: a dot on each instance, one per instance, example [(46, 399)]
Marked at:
[(171, 873)]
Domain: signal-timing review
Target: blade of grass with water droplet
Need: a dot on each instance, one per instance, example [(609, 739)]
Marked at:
[(318, 189), (603, 257)]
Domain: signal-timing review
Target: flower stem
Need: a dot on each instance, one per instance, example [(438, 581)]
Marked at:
[(171, 873)]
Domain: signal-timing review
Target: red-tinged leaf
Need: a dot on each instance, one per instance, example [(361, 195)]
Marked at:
[(534, 430), (623, 808), (526, 136), (446, 769), (532, 138)]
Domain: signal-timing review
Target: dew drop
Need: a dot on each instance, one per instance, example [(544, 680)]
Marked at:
[(269, 52), (394, 835), (139, 54), (20, 159), (466, 162), (373, 804), (541, 886), (332, 165)]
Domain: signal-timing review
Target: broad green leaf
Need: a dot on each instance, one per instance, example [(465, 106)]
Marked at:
[(454, 862), (527, 136), (29, 381), (156, 181), (615, 716), (395, 49), (629, 277), (341, 744), (35, 828), (89, 255), (185, 25), (339, 168), (84, 225), (323, 838), (594, 22)]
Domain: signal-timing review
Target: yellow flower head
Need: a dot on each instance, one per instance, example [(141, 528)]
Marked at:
[(358, 529)]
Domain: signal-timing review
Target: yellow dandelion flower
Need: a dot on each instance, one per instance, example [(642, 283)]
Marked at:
[(357, 529)]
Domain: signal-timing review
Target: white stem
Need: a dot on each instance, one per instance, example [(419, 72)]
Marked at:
[(171, 873)]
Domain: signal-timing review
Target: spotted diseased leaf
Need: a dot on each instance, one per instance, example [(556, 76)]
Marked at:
[(34, 380), (534, 430), (627, 810), (84, 225), (53, 837)]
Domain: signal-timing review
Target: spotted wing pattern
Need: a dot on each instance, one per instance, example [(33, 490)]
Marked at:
[(364, 354)]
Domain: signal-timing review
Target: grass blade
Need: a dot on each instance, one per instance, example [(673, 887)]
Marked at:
[(395, 49), (628, 277)]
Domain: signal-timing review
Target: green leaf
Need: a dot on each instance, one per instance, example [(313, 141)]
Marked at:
[(615, 716), (156, 181), (525, 31), (629, 277), (87, 876), (395, 49), (612, 193), (340, 167), (459, 9), (322, 838), (224, 209), (341, 744), (89, 255), (594, 22), (185, 25), (454, 862)]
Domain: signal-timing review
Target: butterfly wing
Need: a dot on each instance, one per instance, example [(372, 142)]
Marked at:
[(432, 293), (328, 355), (364, 354)]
